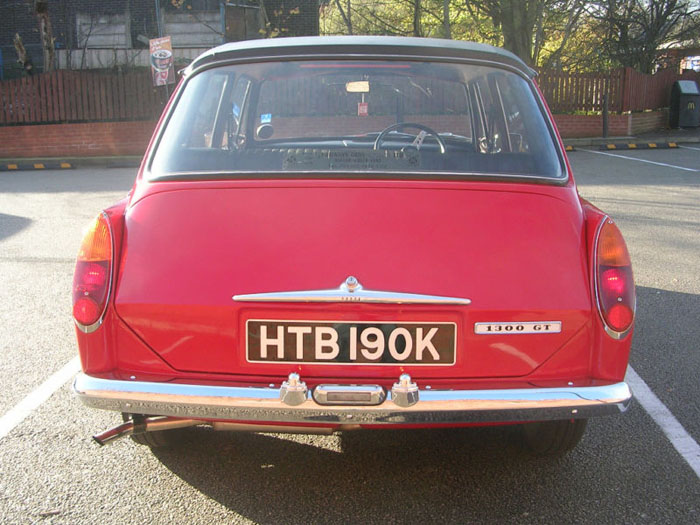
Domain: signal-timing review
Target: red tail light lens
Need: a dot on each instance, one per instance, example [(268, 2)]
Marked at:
[(92, 274), (614, 280)]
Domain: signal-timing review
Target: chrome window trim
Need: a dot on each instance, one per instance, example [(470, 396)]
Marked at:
[(88, 329), (373, 175)]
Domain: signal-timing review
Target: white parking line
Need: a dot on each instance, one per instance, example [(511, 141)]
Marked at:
[(30, 403), (639, 160), (688, 147), (686, 446)]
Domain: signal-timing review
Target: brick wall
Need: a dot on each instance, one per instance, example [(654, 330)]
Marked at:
[(96, 139), (579, 126), (649, 121), (288, 127), (92, 139)]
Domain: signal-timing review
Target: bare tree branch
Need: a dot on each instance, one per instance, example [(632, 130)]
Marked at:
[(344, 16)]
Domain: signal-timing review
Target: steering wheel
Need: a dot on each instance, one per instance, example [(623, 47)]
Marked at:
[(382, 135)]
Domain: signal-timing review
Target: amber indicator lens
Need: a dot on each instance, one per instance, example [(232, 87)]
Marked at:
[(92, 273), (616, 295), (97, 242), (612, 250)]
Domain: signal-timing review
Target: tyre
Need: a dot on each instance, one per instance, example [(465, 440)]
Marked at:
[(156, 439), (553, 438)]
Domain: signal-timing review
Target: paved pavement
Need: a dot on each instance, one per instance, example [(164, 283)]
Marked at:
[(626, 470), (680, 136)]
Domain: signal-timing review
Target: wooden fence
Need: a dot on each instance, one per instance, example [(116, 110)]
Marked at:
[(627, 89), (80, 96), (83, 96)]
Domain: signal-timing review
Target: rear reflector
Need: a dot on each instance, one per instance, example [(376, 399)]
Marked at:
[(91, 280), (614, 281)]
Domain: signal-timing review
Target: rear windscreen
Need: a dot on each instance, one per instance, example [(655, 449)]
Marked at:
[(357, 116)]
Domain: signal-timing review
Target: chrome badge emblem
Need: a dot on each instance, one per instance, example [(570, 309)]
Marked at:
[(352, 284), (524, 327)]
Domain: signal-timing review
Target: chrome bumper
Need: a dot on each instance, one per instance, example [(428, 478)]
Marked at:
[(253, 404)]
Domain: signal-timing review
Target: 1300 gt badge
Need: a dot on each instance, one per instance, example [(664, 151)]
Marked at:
[(534, 327)]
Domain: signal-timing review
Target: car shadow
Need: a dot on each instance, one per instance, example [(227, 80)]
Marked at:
[(361, 476), (12, 224)]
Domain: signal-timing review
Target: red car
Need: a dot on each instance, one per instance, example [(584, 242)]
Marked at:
[(330, 234)]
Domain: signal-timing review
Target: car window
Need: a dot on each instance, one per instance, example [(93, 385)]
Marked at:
[(201, 132), (354, 116)]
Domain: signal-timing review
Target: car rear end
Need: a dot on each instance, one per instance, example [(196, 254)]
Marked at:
[(325, 241)]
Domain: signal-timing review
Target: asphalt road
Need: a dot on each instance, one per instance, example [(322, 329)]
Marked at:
[(625, 470)]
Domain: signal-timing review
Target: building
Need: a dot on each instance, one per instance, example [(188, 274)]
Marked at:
[(106, 34)]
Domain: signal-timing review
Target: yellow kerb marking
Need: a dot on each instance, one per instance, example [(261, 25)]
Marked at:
[(12, 166), (611, 146), (65, 165), (632, 146), (39, 166), (672, 145), (652, 145)]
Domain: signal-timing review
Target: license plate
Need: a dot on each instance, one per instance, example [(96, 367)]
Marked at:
[(346, 343)]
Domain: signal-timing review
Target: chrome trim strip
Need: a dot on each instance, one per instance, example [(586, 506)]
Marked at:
[(350, 291), (378, 175), (434, 406)]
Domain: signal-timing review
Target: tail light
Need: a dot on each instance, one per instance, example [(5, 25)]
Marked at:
[(614, 282), (93, 275)]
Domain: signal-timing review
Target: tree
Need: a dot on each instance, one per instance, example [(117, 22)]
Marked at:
[(41, 8), (447, 28), (569, 39), (346, 16), (527, 25), (427, 18), (416, 18), (22, 57), (560, 34), (374, 17), (635, 31)]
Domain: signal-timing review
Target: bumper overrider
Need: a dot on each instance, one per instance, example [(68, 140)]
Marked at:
[(347, 406)]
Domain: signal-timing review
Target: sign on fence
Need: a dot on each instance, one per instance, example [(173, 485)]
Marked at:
[(162, 61)]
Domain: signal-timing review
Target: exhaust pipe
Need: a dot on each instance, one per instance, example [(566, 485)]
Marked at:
[(138, 425), (141, 424)]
